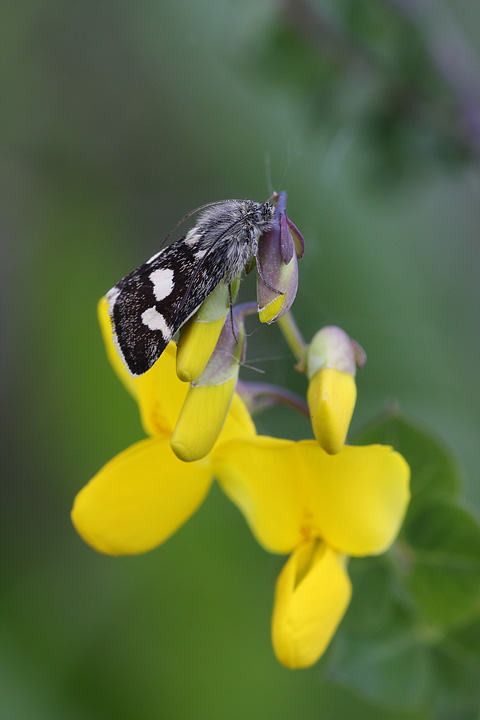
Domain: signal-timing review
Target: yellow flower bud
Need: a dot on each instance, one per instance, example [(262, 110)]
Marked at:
[(201, 419), (209, 396), (199, 336), (195, 346), (331, 360), (331, 398)]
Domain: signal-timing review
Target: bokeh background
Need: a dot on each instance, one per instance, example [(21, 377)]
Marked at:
[(117, 119)]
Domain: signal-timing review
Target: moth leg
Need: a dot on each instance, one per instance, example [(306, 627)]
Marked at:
[(260, 272), (230, 309)]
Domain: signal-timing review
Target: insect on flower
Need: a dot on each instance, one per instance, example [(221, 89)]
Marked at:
[(149, 305)]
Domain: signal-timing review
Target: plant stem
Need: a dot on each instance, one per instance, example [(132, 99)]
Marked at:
[(293, 336), (260, 396)]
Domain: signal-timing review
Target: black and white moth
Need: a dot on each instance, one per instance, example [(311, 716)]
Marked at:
[(149, 305)]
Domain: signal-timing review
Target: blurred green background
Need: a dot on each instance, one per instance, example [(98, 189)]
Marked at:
[(117, 119)]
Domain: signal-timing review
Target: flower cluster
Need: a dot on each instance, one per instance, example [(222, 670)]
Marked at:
[(318, 501)]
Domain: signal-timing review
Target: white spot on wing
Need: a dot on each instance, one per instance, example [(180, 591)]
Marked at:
[(155, 321), (162, 280), (200, 254)]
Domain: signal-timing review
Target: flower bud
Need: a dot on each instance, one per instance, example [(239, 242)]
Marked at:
[(277, 278), (200, 334), (209, 396), (332, 358)]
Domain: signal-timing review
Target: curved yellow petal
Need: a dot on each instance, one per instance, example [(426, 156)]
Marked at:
[(139, 499), (331, 398), (260, 476), (311, 595), (358, 498)]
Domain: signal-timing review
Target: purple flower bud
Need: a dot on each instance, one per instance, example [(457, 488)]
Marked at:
[(277, 278)]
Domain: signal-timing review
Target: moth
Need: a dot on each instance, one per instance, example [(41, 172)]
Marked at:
[(150, 304)]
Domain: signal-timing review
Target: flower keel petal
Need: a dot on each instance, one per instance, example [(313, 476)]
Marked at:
[(312, 593)]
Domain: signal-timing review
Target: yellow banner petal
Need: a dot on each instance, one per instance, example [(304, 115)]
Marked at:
[(358, 497), (311, 596), (139, 498)]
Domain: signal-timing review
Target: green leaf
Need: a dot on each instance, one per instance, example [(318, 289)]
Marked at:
[(390, 667), (373, 605), (457, 666), (434, 471), (444, 545)]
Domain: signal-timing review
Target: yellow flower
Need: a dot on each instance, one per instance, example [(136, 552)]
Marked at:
[(296, 498), (142, 496)]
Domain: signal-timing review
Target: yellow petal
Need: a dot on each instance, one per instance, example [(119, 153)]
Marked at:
[(288, 492), (201, 419), (110, 347), (358, 498), (139, 499), (311, 596), (260, 475), (271, 311), (331, 398)]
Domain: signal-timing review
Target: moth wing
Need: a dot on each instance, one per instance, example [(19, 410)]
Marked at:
[(149, 305)]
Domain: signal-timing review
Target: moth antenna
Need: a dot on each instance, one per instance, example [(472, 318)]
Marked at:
[(268, 174)]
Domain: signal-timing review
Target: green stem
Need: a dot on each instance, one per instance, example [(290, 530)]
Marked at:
[(293, 336)]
